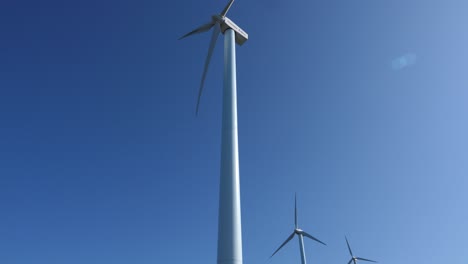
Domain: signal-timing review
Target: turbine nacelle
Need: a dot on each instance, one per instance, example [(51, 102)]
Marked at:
[(226, 23), (241, 35), (298, 231)]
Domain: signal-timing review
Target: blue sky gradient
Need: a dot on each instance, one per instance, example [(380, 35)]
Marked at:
[(102, 159)]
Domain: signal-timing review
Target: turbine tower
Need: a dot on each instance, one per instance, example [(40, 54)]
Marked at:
[(300, 233), (353, 258), (229, 220)]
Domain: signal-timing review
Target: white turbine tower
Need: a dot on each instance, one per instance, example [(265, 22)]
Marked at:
[(300, 233), (229, 221)]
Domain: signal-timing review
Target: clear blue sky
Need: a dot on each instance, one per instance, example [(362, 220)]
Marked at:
[(358, 106)]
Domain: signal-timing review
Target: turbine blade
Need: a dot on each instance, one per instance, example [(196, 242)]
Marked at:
[(295, 210), (200, 29), (311, 237), (284, 243), (214, 37), (226, 9), (351, 260), (349, 248), (363, 259)]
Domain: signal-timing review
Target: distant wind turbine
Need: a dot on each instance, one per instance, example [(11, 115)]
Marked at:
[(300, 233), (229, 220), (353, 258)]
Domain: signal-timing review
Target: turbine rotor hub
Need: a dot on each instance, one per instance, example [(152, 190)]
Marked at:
[(218, 18)]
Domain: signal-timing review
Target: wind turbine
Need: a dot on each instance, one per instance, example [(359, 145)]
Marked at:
[(353, 258), (300, 233), (229, 220)]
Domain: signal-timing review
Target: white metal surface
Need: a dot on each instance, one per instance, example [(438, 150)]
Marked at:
[(241, 35), (229, 222), (301, 246)]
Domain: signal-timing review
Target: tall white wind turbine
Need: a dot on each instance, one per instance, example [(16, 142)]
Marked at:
[(300, 234), (353, 258), (229, 221)]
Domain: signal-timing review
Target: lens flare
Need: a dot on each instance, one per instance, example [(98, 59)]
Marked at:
[(404, 61)]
